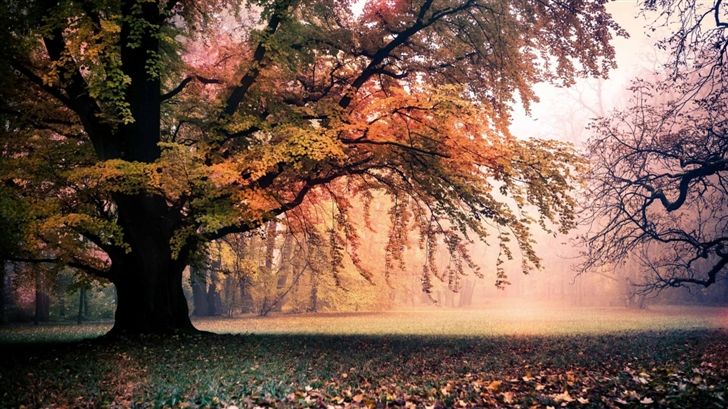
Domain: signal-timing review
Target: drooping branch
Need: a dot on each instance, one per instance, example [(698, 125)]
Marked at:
[(105, 274), (712, 276), (306, 186)]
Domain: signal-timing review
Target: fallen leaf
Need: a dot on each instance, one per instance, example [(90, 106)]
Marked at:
[(508, 397), (563, 397)]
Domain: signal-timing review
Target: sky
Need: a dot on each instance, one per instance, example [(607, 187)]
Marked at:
[(560, 109)]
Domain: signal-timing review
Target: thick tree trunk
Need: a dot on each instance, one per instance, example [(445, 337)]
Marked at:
[(150, 296), (148, 279)]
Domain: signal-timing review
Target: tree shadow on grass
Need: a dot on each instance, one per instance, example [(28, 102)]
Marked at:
[(670, 368)]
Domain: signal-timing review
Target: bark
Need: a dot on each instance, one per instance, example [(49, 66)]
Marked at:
[(214, 300), (246, 299), (231, 294), (270, 245), (247, 302), (150, 296), (148, 279)]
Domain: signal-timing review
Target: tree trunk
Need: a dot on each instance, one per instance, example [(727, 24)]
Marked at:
[(313, 296), (270, 247), (198, 281), (283, 272), (42, 300), (2, 291), (150, 297), (214, 301), (246, 299), (148, 279), (82, 305), (231, 293)]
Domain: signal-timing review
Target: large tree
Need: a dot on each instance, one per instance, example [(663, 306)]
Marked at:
[(659, 183), (659, 179), (138, 130)]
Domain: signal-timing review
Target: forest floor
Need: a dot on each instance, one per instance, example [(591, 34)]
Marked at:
[(537, 357)]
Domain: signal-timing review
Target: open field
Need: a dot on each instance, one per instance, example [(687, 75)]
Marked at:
[(540, 357), (494, 321)]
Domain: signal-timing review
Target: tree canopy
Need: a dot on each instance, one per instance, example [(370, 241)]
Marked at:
[(135, 131)]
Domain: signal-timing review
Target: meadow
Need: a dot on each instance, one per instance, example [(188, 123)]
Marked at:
[(533, 356)]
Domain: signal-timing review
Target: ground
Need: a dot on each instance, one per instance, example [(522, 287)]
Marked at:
[(495, 357)]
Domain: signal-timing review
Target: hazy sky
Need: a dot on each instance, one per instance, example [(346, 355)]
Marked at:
[(558, 106)]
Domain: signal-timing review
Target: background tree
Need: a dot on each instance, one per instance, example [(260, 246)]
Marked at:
[(659, 167), (139, 130), (660, 184)]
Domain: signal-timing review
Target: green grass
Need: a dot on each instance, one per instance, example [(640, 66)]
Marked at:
[(492, 358)]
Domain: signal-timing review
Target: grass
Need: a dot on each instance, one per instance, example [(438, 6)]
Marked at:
[(664, 357)]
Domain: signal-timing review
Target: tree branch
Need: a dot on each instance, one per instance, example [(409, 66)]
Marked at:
[(179, 88), (106, 274), (396, 144), (703, 171), (308, 184), (238, 93), (38, 81)]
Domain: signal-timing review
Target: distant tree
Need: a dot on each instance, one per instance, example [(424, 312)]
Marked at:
[(140, 130)]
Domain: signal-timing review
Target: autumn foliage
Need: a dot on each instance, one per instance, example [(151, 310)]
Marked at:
[(137, 131)]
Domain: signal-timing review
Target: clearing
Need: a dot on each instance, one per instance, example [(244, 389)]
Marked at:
[(495, 357)]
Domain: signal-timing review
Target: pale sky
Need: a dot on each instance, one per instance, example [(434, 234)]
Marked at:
[(561, 115)]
